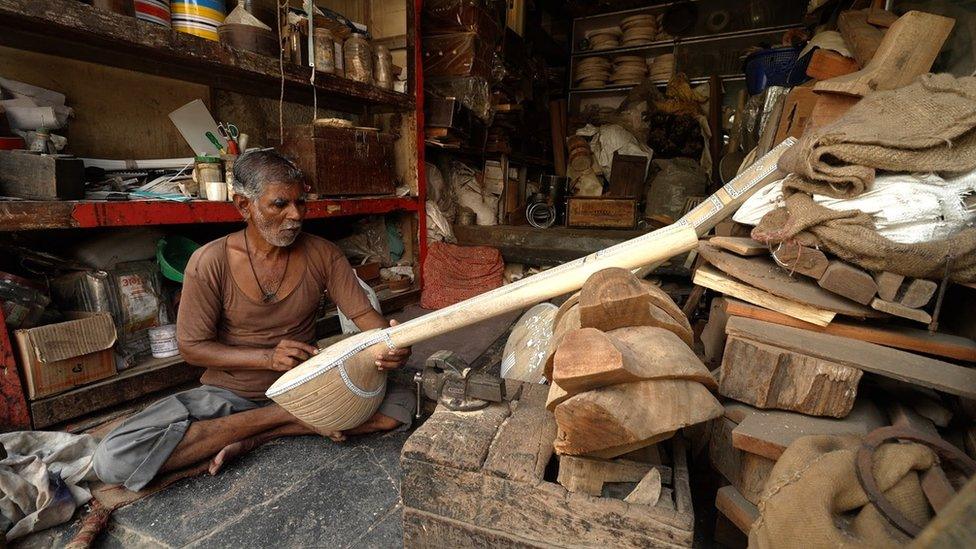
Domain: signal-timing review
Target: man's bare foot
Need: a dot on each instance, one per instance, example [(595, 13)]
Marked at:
[(231, 452)]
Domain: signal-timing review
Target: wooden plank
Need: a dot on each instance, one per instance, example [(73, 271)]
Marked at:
[(734, 507), (739, 245), (863, 38), (849, 281), (588, 475), (769, 433), (764, 274), (611, 421), (746, 471), (898, 309), (457, 439), (526, 511), (523, 445), (899, 337), (907, 367), (713, 334), (918, 293), (713, 279), (888, 284), (955, 526), (881, 18), (771, 377), (826, 64), (155, 375), (648, 490)]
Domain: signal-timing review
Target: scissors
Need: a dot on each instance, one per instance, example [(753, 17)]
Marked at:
[(230, 133)]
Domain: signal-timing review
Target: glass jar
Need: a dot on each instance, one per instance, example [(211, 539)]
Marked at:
[(383, 67), (358, 59), (324, 51)]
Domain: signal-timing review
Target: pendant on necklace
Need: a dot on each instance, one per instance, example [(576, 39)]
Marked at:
[(268, 298)]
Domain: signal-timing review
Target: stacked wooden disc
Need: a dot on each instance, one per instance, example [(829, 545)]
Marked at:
[(661, 67), (580, 155), (628, 70), (593, 72), (638, 30), (604, 39)]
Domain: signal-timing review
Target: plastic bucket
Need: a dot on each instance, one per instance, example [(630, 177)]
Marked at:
[(162, 341), (154, 11), (173, 252)]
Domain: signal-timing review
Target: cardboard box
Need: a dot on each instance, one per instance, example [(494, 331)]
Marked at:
[(58, 357)]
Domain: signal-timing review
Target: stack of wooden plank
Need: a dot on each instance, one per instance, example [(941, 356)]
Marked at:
[(795, 336)]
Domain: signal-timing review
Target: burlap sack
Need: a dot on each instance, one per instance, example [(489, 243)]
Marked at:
[(813, 498), (850, 235), (927, 126)]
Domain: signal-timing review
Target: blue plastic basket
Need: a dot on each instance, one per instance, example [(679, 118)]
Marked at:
[(775, 67)]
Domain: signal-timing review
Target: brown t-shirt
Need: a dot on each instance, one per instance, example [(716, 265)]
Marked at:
[(213, 307)]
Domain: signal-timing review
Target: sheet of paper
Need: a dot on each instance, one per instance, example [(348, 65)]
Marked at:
[(194, 121)]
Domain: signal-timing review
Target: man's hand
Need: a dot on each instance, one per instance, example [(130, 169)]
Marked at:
[(392, 359), (289, 354)]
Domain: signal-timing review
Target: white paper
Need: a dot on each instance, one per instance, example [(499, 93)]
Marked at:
[(194, 121), (42, 96)]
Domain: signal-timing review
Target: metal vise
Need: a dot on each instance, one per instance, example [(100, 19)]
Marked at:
[(447, 379)]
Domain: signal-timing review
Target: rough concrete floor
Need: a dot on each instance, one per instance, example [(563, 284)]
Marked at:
[(294, 492)]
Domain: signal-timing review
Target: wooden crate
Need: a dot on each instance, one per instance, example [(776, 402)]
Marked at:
[(342, 161), (617, 213), (476, 479)]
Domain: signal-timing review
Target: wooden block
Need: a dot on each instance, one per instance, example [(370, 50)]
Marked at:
[(739, 245), (766, 376), (611, 421), (616, 213), (523, 445), (740, 512), (862, 38), (797, 109), (918, 293), (769, 433), (849, 281), (888, 284), (457, 439), (712, 279), (746, 471), (826, 64), (892, 363), (613, 298), (881, 18), (764, 274), (898, 309), (556, 395), (713, 334), (907, 50), (899, 337), (41, 177), (589, 359), (830, 107), (801, 259), (648, 490), (588, 475)]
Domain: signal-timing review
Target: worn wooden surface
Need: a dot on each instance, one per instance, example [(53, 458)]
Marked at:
[(457, 503), (796, 258), (917, 293), (762, 273), (739, 245), (908, 367), (713, 279), (899, 337), (767, 377), (888, 284), (907, 50), (740, 512), (768, 433), (826, 64), (713, 334), (588, 475), (611, 421), (955, 526), (523, 445), (588, 358), (848, 281), (41, 177), (746, 471), (613, 298), (862, 38), (156, 375), (897, 309), (457, 439), (648, 490)]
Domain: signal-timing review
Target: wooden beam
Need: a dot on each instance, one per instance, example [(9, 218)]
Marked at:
[(907, 367), (740, 512)]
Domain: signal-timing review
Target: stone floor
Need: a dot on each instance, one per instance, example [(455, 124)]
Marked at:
[(293, 492)]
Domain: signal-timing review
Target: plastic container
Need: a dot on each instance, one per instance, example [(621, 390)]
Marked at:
[(198, 17), (162, 341), (173, 252), (775, 67), (383, 67), (154, 11)]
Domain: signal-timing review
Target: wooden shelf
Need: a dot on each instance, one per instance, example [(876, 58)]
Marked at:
[(670, 43), (69, 28), (35, 215)]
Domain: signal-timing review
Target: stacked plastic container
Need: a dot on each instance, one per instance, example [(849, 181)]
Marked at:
[(198, 17)]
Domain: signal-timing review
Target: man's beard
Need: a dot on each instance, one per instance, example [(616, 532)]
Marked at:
[(279, 235)]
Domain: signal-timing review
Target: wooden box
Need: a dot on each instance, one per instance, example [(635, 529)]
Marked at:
[(607, 213), (479, 479), (58, 357), (342, 161)]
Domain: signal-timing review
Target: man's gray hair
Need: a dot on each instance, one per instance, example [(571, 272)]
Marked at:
[(255, 169)]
